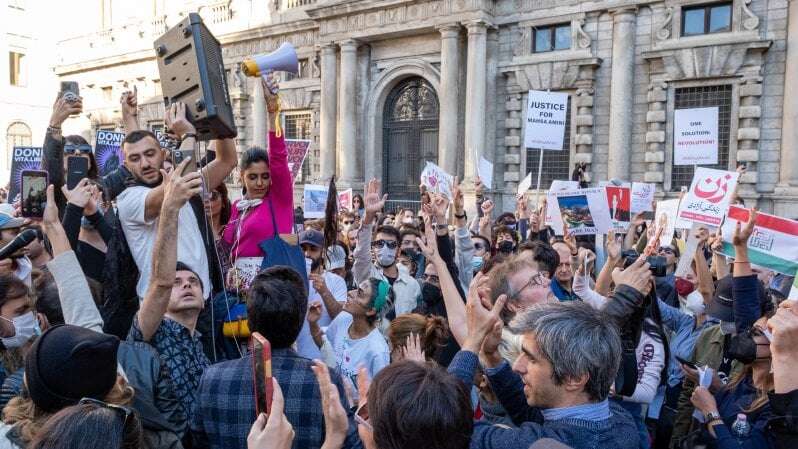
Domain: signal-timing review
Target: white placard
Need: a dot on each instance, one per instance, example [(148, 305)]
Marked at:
[(437, 180), (619, 200), (524, 185), (485, 172), (345, 199), (545, 120), (709, 196), (553, 217), (642, 197), (585, 211), (695, 136), (315, 201), (666, 215)]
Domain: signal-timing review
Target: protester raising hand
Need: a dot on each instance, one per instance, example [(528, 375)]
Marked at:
[(80, 195), (637, 276), (373, 201), (458, 201), (179, 189), (63, 109), (480, 316), (336, 423), (129, 104), (742, 265), (412, 349), (273, 431)]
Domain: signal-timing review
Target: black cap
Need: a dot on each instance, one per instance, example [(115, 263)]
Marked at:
[(722, 305), (68, 363)]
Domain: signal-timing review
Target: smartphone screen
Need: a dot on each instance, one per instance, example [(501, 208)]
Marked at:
[(262, 369), (34, 193), (178, 156), (77, 169)]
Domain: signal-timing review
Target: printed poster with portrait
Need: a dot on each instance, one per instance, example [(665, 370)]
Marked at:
[(584, 211), (108, 151), (297, 150)]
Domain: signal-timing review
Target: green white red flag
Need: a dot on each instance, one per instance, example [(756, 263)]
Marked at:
[(773, 243)]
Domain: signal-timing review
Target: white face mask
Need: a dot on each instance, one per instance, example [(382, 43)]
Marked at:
[(694, 303), (386, 256), (25, 327)]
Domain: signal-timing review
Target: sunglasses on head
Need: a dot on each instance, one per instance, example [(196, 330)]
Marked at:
[(391, 244), (80, 148), (667, 250), (123, 412)]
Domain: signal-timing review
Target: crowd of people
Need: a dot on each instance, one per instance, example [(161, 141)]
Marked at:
[(126, 322)]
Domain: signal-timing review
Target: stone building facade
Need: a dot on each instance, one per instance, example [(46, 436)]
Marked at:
[(387, 84)]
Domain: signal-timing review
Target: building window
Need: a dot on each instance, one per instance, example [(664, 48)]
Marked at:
[(16, 68), (705, 97), (707, 19), (17, 135), (108, 93), (556, 164), (299, 125), (550, 38)]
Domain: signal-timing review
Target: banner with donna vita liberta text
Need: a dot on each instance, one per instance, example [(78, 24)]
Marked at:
[(108, 151), (23, 158)]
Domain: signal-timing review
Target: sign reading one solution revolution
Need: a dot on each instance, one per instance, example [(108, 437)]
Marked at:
[(545, 120), (695, 136)]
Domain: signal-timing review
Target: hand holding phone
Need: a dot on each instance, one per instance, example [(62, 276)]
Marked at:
[(178, 156), (70, 91), (34, 193), (262, 370), (77, 169)]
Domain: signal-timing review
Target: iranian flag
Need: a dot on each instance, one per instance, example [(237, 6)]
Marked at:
[(773, 244)]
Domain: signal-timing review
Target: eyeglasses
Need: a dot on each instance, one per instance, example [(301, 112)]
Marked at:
[(123, 412), (346, 223), (80, 148), (537, 280), (391, 244)]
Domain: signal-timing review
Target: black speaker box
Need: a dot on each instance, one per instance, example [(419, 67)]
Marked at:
[(192, 71)]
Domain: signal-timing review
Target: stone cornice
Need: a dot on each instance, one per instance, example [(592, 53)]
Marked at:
[(331, 9)]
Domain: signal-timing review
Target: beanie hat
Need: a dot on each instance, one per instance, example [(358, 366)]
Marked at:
[(68, 363)]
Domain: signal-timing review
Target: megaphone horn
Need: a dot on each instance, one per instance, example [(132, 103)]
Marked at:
[(283, 59)]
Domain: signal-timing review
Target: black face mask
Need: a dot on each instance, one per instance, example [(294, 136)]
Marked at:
[(412, 252), (431, 294), (742, 348), (506, 246)]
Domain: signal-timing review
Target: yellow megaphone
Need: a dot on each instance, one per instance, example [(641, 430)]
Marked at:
[(283, 59)]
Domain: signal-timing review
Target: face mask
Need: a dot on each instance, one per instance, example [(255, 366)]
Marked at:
[(25, 327), (431, 294), (742, 348), (506, 246), (386, 256), (411, 252), (476, 262), (408, 221), (695, 303), (684, 287)]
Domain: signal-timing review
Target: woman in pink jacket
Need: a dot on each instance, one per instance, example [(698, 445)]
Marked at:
[(268, 189)]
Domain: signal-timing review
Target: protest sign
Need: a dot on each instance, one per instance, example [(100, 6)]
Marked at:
[(585, 211), (315, 201), (23, 158), (619, 200), (695, 136), (437, 181), (165, 141), (666, 218), (108, 151), (709, 196), (545, 120), (297, 150), (642, 199), (773, 244), (524, 185), (485, 170), (553, 217), (345, 199), (688, 253)]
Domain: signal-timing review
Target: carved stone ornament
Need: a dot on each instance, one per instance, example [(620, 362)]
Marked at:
[(582, 39), (518, 36), (751, 21), (664, 29)]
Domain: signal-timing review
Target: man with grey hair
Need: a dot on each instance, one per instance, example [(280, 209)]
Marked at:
[(558, 387)]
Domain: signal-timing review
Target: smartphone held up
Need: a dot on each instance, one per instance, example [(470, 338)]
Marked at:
[(34, 193), (262, 370)]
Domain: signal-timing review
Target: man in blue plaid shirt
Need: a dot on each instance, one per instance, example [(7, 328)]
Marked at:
[(225, 408)]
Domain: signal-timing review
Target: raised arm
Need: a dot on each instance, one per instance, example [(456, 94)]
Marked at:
[(74, 295), (53, 157), (705, 284), (604, 279), (130, 111), (362, 255), (178, 191)]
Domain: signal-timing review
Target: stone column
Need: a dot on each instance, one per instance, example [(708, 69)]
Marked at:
[(347, 119), (329, 104), (621, 92), (260, 127), (476, 75), (788, 175), (449, 95)]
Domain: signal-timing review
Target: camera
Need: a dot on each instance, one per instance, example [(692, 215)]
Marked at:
[(657, 264)]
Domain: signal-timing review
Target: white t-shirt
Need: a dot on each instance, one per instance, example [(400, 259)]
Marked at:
[(140, 235), (370, 351), (305, 346)]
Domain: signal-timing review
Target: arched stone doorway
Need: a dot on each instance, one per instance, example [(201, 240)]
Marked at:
[(410, 136)]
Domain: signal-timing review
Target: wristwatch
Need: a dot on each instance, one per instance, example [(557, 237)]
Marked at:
[(712, 416)]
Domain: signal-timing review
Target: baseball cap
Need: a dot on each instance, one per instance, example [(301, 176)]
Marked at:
[(722, 304), (9, 222), (336, 257), (312, 237)]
